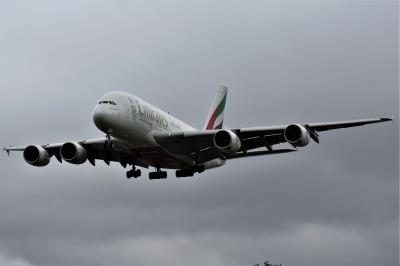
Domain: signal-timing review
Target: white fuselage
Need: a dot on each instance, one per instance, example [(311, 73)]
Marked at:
[(131, 121)]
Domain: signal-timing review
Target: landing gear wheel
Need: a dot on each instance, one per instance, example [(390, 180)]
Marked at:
[(137, 173), (158, 175), (133, 173), (184, 172), (129, 174)]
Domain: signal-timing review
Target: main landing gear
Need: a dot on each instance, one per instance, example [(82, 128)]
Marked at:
[(184, 172), (189, 171), (158, 174), (133, 173), (152, 175)]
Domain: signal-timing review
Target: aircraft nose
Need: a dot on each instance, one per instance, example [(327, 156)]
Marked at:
[(98, 115), (103, 118)]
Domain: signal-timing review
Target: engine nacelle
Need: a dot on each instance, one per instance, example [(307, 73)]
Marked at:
[(227, 141), (73, 152), (36, 155), (297, 135)]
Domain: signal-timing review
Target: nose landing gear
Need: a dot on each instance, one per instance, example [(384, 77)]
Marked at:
[(108, 144)]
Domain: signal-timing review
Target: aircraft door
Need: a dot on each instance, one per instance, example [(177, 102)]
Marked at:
[(127, 112)]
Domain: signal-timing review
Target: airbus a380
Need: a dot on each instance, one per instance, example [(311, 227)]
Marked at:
[(139, 134)]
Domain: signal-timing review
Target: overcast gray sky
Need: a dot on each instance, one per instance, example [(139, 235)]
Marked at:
[(284, 61)]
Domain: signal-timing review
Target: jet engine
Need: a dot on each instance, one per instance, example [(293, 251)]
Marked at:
[(73, 152), (297, 135), (227, 141), (36, 155)]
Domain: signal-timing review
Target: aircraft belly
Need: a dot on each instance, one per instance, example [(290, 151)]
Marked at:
[(158, 157)]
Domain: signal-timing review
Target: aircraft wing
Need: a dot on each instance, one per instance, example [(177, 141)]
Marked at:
[(315, 126), (200, 146), (97, 149)]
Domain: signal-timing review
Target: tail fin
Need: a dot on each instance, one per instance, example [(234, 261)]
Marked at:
[(216, 117)]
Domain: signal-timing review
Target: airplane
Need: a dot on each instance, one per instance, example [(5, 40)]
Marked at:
[(139, 134)]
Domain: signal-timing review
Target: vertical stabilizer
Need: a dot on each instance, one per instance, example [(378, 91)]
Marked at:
[(216, 117)]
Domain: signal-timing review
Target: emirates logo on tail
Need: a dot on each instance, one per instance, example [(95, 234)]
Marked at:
[(216, 117)]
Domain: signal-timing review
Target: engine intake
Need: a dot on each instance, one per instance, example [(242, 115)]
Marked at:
[(227, 141), (36, 155), (297, 135), (73, 152)]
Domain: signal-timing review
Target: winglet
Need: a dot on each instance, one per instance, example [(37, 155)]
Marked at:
[(7, 150), (386, 119)]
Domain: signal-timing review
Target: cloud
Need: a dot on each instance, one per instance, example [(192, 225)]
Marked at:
[(306, 61), (9, 261)]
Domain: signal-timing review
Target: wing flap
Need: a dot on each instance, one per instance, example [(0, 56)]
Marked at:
[(258, 153), (261, 141), (184, 142)]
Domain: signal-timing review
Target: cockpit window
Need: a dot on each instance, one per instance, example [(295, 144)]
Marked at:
[(107, 102)]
